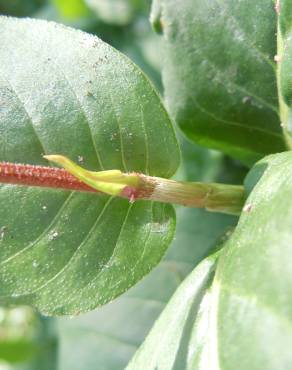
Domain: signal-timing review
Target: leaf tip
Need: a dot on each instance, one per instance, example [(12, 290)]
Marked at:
[(56, 158)]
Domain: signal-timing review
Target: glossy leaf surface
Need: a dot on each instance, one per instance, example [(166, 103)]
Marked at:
[(64, 91), (219, 73)]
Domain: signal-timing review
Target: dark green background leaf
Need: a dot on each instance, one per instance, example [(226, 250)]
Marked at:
[(219, 73), (244, 318), (64, 91), (19, 7)]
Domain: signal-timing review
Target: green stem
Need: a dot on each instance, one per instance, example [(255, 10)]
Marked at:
[(283, 109), (211, 196), (214, 197)]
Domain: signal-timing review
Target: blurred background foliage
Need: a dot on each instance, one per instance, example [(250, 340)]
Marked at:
[(27, 340), (106, 338)]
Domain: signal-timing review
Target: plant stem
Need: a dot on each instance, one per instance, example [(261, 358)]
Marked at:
[(48, 177), (283, 108), (214, 197)]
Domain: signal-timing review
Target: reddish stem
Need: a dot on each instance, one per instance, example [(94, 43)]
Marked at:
[(48, 177), (215, 197)]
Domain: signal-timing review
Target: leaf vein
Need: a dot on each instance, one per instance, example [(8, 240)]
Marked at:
[(108, 261), (121, 137), (234, 123), (222, 75), (146, 141), (247, 39), (25, 111), (71, 260), (83, 112), (51, 224)]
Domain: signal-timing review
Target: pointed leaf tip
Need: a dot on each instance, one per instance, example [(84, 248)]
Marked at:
[(111, 182)]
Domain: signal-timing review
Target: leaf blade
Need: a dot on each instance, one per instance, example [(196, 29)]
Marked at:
[(168, 352), (219, 74), (80, 109)]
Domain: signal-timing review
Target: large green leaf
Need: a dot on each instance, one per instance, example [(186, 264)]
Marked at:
[(219, 73), (64, 91), (244, 318), (118, 328), (254, 278)]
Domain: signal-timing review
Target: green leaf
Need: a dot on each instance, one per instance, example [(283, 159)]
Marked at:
[(254, 279), (119, 328), (219, 73), (64, 91), (167, 345), (244, 318)]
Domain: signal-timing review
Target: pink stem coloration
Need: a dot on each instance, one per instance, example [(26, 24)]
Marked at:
[(48, 177), (214, 197)]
